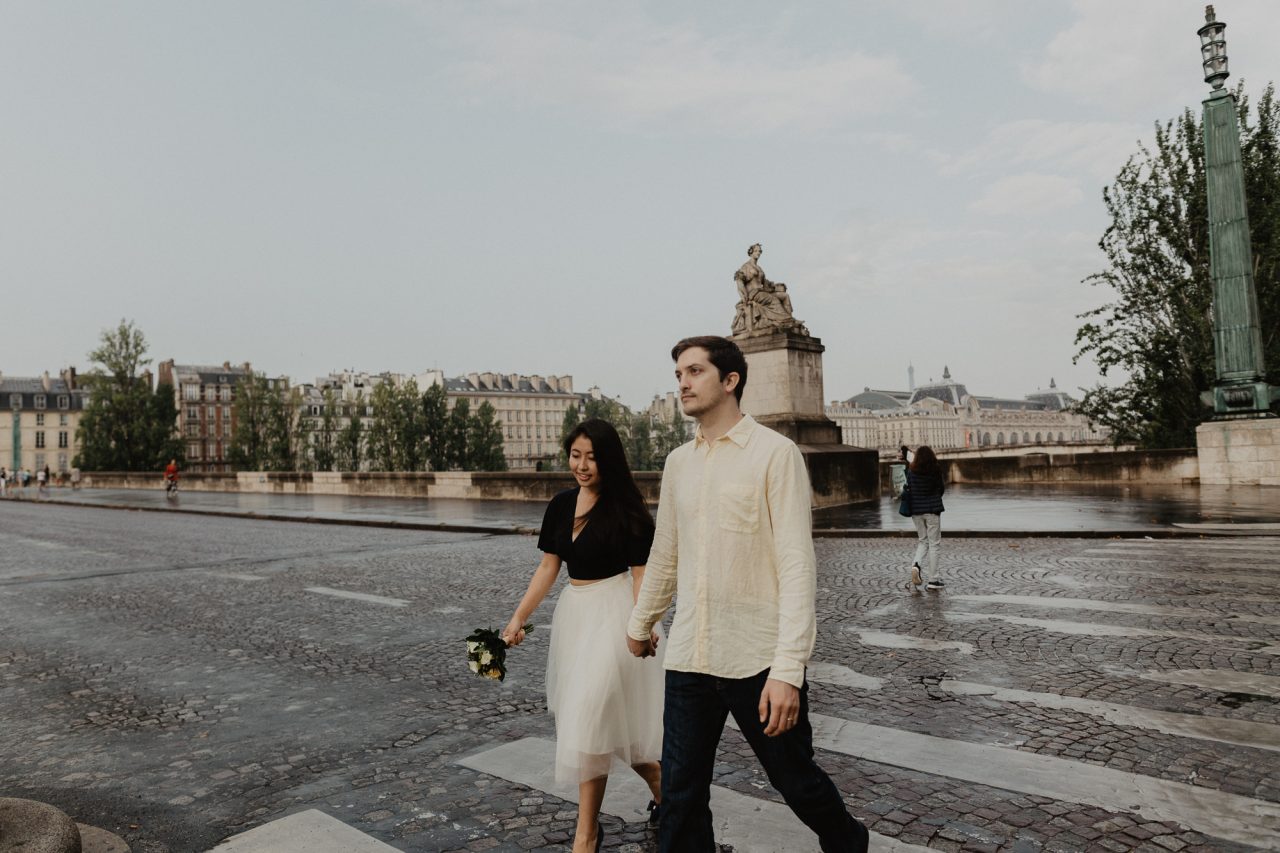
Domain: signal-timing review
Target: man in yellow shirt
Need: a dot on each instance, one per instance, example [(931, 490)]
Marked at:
[(734, 541)]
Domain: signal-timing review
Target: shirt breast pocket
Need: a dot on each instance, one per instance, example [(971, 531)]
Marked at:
[(739, 509)]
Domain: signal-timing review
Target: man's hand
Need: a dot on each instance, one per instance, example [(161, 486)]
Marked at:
[(779, 707), (643, 648)]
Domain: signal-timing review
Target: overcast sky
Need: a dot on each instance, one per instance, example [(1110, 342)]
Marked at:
[(568, 187)]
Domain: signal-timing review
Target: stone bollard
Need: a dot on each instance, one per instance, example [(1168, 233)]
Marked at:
[(27, 826)]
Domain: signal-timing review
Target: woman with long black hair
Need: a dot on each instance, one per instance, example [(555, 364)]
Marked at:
[(606, 703), (925, 485)]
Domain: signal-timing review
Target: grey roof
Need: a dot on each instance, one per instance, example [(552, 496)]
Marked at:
[(948, 392), (210, 374), (872, 399), (501, 384), (1016, 405), (26, 389)]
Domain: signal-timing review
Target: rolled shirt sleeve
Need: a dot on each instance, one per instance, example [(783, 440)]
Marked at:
[(788, 495), (659, 585)]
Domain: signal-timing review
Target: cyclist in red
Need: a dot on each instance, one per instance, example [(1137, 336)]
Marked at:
[(171, 477)]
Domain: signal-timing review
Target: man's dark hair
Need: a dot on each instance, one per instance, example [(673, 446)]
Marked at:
[(721, 352)]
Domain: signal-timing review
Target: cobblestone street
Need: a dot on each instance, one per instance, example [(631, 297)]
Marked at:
[(178, 679)]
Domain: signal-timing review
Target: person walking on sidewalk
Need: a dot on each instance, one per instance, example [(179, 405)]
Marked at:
[(925, 486), (42, 481), (605, 702), (734, 542), (171, 479), (4, 482)]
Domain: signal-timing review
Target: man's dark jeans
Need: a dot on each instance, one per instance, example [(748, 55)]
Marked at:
[(696, 708)]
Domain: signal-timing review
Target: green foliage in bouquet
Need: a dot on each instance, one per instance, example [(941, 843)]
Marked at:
[(487, 653)]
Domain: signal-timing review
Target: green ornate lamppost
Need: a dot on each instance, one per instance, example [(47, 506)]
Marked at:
[(1240, 390)]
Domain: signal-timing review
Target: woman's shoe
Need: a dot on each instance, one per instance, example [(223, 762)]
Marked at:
[(915, 574), (655, 810)]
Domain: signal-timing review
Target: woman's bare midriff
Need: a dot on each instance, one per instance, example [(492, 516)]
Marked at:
[(576, 582)]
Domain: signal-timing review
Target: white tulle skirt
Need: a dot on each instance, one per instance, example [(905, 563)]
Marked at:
[(605, 701)]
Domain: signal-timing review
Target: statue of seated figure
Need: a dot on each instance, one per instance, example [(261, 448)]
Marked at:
[(762, 304)]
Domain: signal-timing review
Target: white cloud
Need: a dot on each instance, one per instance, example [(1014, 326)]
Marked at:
[(1028, 194), (1145, 55), (639, 72), (1095, 148)]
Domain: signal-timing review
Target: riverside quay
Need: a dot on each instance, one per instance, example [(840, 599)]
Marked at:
[(194, 682)]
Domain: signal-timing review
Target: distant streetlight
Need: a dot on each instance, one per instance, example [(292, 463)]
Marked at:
[(1240, 390), (1213, 48)]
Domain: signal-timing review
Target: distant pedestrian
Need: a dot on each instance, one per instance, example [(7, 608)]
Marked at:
[(171, 479), (23, 479), (75, 478), (924, 500), (4, 483), (898, 471), (42, 482)]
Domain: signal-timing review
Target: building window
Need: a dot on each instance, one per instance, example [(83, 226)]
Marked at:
[(190, 392), (64, 402), (226, 430), (62, 439), (39, 460), (225, 393), (193, 413), (40, 440), (62, 461), (40, 419), (213, 412), (40, 401), (211, 394), (62, 420), (193, 451), (226, 413), (15, 401)]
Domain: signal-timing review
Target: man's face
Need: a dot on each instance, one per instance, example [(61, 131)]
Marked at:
[(701, 389)]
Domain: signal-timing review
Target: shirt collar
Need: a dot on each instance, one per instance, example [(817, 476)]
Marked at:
[(738, 434)]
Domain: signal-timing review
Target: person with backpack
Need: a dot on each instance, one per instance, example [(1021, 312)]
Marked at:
[(923, 500)]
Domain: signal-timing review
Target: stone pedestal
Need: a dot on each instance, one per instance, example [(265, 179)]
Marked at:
[(1242, 452), (784, 392)]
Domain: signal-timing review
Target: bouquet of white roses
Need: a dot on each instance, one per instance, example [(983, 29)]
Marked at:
[(487, 653)]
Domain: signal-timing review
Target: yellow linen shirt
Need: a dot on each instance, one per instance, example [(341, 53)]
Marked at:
[(734, 543)]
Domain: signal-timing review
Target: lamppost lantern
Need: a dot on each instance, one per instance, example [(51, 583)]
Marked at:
[(1213, 48)]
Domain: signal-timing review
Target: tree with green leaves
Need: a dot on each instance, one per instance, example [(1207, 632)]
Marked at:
[(435, 427), (396, 431), (323, 435), (484, 441), (457, 434), (125, 426), (1157, 331), (266, 433), (349, 450)]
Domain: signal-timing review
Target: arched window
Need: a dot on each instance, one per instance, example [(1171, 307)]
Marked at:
[(1059, 438), (1038, 438), (1026, 438), (999, 438), (986, 438)]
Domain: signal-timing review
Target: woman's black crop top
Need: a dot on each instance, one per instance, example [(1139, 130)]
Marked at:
[(590, 557)]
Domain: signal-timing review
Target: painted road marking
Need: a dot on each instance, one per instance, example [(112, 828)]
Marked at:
[(1239, 732), (1217, 813), (311, 831), (358, 596), (890, 640), (748, 824), (1118, 607)]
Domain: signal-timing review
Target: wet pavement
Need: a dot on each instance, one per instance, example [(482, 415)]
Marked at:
[(179, 679), (1065, 508)]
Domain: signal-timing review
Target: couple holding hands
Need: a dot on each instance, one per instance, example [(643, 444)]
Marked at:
[(733, 540)]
